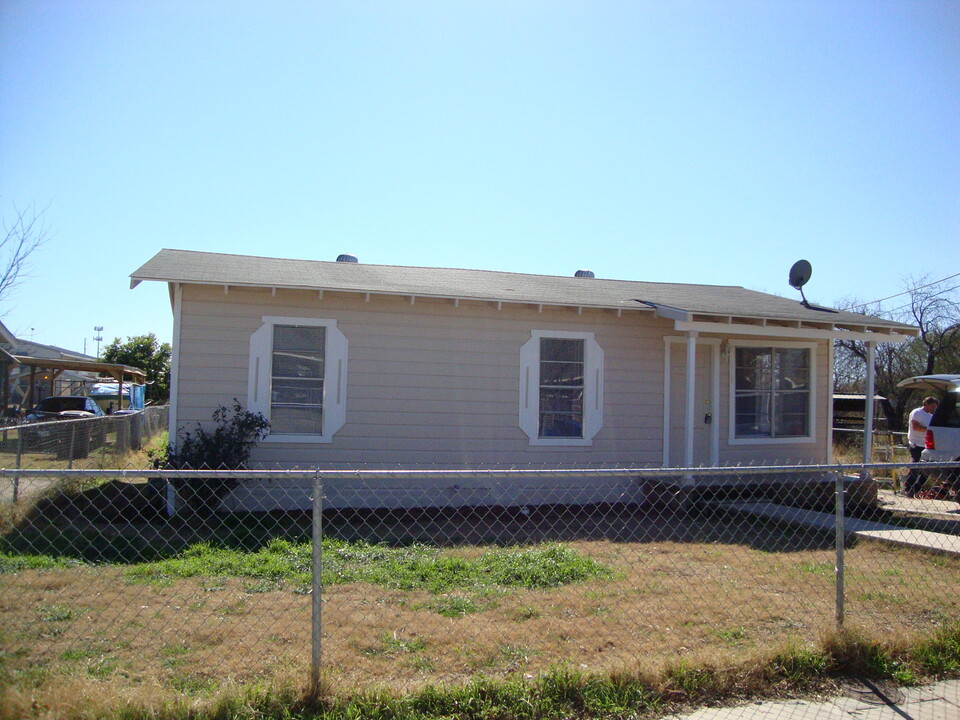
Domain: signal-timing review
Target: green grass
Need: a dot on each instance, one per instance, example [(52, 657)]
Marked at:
[(822, 569), (461, 584), (56, 613), (731, 636), (414, 567), (526, 613), (798, 664), (173, 655), (940, 653), (11, 563), (394, 644), (84, 653), (559, 693), (454, 606)]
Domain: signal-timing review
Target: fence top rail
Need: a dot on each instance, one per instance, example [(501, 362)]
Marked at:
[(493, 473)]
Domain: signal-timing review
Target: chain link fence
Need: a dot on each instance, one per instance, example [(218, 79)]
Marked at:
[(94, 442), (352, 573), (887, 447)]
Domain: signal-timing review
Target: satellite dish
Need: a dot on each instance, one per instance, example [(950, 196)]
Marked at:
[(799, 276)]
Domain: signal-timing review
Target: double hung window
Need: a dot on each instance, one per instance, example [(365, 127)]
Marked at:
[(298, 378), (296, 387), (772, 395), (561, 388)]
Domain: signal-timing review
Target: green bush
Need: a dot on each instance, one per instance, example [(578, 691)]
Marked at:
[(226, 447)]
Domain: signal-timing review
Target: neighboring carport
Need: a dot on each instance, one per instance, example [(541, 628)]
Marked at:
[(55, 367), (7, 363)]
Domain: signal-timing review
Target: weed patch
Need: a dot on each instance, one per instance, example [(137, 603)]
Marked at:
[(416, 567), (56, 613), (939, 654)]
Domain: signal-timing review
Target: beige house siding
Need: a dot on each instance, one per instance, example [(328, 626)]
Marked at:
[(428, 383), (437, 383)]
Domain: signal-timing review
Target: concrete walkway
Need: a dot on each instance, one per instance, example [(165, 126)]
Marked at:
[(865, 529), (942, 509), (862, 701)]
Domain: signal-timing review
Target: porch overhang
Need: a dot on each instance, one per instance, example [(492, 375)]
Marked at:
[(696, 325), (779, 327)]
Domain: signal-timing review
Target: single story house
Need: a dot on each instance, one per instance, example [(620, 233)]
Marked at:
[(372, 366)]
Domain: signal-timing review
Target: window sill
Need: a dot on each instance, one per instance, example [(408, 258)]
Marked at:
[(561, 442), (772, 441)]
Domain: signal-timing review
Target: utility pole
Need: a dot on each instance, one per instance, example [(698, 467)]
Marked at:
[(98, 329)]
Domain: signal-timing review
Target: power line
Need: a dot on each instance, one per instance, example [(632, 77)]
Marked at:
[(909, 304), (907, 292)]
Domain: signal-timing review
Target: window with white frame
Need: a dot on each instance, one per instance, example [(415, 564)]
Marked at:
[(561, 387), (561, 393), (773, 395), (298, 378)]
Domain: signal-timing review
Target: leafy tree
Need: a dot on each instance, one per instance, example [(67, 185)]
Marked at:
[(147, 353), (935, 309)]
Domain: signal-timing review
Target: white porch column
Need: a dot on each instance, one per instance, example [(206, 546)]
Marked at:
[(691, 397), (868, 403)]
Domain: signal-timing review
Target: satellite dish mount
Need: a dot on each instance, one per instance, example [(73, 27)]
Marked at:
[(799, 276)]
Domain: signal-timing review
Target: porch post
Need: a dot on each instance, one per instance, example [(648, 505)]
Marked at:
[(30, 393), (868, 405), (690, 404)]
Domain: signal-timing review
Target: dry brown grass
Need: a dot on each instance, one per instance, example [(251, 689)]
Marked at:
[(705, 603)]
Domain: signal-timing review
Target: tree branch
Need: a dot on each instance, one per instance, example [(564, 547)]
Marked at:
[(17, 245)]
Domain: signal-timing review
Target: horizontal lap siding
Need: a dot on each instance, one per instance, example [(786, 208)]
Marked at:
[(435, 383), (429, 382)]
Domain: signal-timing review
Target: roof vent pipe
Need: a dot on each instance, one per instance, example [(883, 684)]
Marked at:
[(347, 257), (584, 273)]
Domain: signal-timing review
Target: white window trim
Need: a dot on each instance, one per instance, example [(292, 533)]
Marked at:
[(812, 436), (530, 388), (334, 379)]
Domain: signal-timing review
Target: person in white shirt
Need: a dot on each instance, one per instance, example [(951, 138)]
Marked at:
[(916, 440)]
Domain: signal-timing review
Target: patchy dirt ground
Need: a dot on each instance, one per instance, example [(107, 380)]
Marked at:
[(717, 588)]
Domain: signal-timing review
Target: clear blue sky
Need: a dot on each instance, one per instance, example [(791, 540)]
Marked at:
[(698, 141)]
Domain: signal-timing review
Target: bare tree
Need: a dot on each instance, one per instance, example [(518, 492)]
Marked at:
[(934, 307), (20, 240)]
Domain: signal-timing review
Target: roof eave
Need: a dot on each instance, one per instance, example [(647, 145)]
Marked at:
[(624, 305), (684, 319)]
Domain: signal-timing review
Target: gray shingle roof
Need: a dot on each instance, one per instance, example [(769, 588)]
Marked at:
[(187, 266)]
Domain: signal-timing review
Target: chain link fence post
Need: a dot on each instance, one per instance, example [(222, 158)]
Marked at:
[(840, 541), (316, 623), (71, 449), (16, 478)]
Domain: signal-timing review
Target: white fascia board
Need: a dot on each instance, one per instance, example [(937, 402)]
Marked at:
[(789, 332)]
